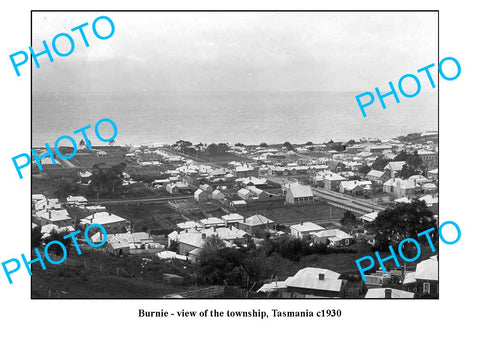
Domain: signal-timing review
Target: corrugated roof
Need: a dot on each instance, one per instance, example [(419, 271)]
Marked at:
[(299, 190), (307, 227), (308, 278), (379, 293), (256, 220), (427, 270)]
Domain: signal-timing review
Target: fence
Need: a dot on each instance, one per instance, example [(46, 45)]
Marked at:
[(203, 293)]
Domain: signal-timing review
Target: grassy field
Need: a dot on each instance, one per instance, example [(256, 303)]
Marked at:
[(281, 213), (94, 275)]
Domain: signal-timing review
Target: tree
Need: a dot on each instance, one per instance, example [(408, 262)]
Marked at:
[(107, 180), (288, 146), (404, 220), (82, 143), (349, 219), (309, 143), (406, 172), (36, 237), (263, 145), (112, 142), (412, 159), (58, 236), (364, 169), (380, 164), (217, 149)]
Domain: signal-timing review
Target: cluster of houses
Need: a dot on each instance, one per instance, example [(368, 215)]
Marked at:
[(312, 282)]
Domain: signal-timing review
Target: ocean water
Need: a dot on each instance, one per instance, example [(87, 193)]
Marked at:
[(212, 117)]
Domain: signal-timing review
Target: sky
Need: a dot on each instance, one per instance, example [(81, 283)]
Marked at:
[(242, 51)]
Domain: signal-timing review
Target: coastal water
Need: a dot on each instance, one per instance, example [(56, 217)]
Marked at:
[(247, 117)]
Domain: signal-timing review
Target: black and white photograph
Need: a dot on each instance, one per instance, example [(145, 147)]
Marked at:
[(235, 155)]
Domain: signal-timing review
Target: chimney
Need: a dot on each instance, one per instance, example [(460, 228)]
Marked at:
[(186, 231), (109, 214), (321, 276), (388, 293), (50, 215), (301, 223), (230, 227), (214, 228), (204, 236)]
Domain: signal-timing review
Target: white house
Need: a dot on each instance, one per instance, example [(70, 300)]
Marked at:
[(298, 194), (305, 230)]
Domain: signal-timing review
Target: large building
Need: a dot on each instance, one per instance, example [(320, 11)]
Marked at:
[(298, 194)]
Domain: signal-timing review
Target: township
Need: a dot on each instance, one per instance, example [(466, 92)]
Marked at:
[(221, 220)]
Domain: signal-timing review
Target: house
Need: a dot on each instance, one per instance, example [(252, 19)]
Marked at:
[(206, 187), (333, 237), (388, 293), (429, 188), (394, 167), (370, 217), (190, 240), (47, 229), (355, 187), (111, 223), (376, 176), (245, 171), (161, 183), (238, 204), (138, 243), (85, 177), (168, 255), (425, 280), (189, 225), (58, 217), (314, 282), (298, 194), (399, 187), (212, 222), (258, 194), (46, 204), (379, 148), (218, 195), (245, 194), (433, 174), (332, 181), (336, 166), (172, 188), (253, 181), (200, 195), (76, 201), (431, 201), (304, 230), (255, 224), (429, 159), (232, 219)]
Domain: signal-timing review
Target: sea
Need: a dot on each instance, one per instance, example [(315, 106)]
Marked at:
[(213, 117)]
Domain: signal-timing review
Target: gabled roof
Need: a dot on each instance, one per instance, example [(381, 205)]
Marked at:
[(427, 270), (212, 220), (102, 218), (376, 173), (370, 216), (188, 225), (55, 215), (330, 233), (395, 166), (299, 190), (256, 220), (379, 293), (307, 227), (309, 278), (232, 217)]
